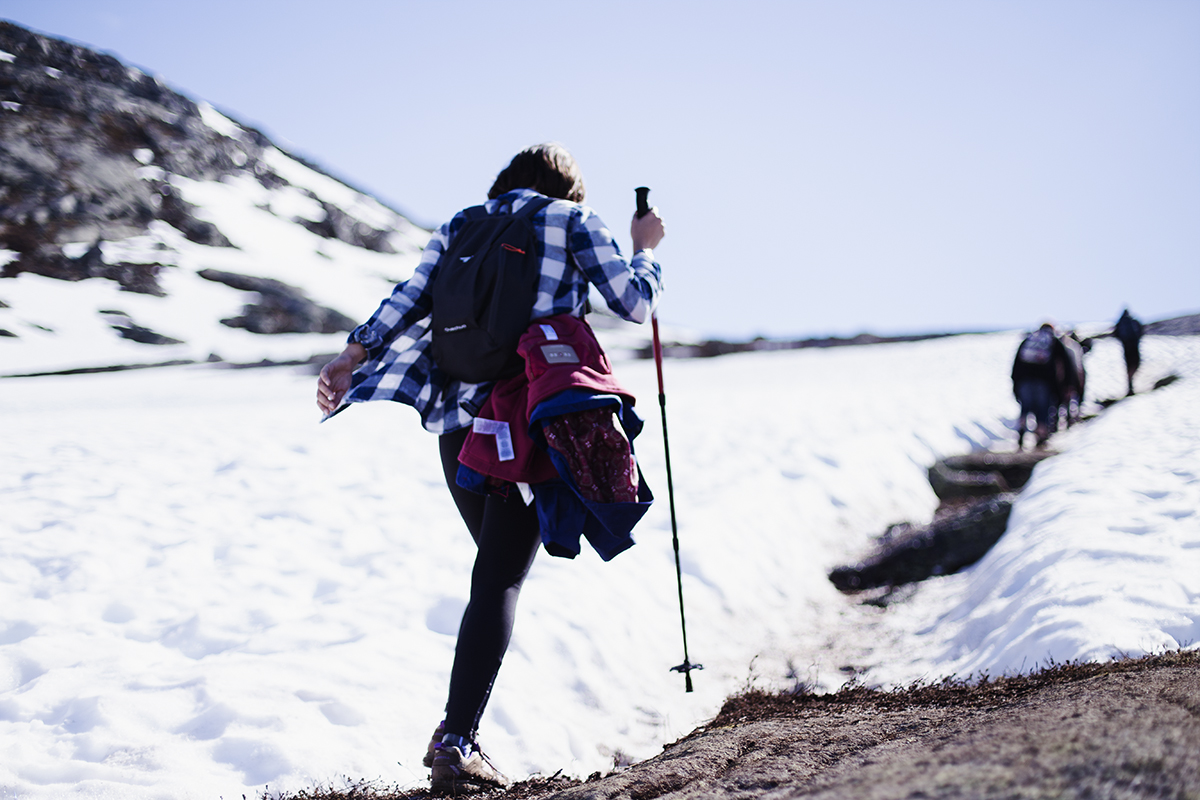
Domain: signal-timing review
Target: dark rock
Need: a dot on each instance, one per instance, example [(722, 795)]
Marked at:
[(1177, 326), (341, 226), (70, 136), (717, 347), (128, 329), (976, 491), (950, 483), (177, 212), (983, 474), (1164, 382), (142, 335), (945, 546), (280, 308), (50, 262)]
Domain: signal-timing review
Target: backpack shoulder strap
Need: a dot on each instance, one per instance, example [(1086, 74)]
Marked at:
[(528, 210), (533, 206)]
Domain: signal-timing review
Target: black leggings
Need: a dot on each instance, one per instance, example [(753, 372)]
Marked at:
[(505, 531)]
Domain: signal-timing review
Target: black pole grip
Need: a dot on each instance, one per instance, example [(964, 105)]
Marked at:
[(643, 204)]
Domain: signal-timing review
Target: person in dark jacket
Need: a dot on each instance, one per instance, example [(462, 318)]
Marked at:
[(1038, 374), (1128, 332), (576, 249), (1075, 379)]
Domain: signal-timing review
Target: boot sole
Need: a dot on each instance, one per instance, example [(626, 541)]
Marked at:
[(463, 786)]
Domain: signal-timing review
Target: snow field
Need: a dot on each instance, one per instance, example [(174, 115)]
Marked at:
[(203, 591)]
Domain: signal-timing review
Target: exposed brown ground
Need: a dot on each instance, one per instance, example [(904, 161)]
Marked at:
[(1126, 729)]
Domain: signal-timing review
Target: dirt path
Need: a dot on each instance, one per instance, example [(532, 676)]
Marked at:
[(1130, 729), (1127, 729)]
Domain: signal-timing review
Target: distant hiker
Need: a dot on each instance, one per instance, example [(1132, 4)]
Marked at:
[(1128, 332), (1038, 373), (1075, 376), (574, 249)]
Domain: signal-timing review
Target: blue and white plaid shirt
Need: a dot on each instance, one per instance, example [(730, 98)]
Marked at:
[(575, 249)]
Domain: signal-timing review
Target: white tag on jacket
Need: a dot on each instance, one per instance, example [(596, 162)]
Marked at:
[(549, 332), (559, 354), (494, 427)]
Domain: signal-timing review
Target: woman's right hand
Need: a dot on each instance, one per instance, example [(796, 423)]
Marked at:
[(335, 377), (647, 230)]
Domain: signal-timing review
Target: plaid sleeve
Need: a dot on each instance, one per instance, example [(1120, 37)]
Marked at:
[(630, 287), (576, 249), (399, 366), (405, 373), (409, 303)]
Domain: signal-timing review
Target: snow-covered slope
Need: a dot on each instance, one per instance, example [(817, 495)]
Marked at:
[(1102, 553), (203, 591), (50, 317), (156, 229)]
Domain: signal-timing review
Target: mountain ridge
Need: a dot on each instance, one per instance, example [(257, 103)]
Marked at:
[(108, 173)]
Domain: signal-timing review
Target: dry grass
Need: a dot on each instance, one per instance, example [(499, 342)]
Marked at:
[(979, 694)]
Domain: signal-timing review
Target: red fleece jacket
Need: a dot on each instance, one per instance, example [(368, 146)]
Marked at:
[(561, 352)]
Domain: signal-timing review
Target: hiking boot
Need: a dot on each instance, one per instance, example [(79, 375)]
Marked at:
[(456, 771), (438, 733)]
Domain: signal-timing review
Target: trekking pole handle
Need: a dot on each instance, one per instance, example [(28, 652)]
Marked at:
[(643, 208), (643, 204)]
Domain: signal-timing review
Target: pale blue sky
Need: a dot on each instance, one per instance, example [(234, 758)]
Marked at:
[(824, 167)]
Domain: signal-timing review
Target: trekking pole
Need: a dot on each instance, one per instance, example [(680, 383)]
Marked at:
[(643, 208)]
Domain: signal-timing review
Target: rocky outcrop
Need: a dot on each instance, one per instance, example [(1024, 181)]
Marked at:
[(79, 132), (88, 149), (1176, 326), (976, 493), (49, 260), (907, 553), (711, 348), (124, 325), (278, 308), (339, 225), (982, 474)]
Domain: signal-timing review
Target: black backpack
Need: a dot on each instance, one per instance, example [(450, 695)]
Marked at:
[(483, 292), (1037, 348)]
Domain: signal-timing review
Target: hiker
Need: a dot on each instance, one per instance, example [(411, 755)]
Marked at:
[(1074, 377), (1038, 372), (1128, 332), (575, 249)]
